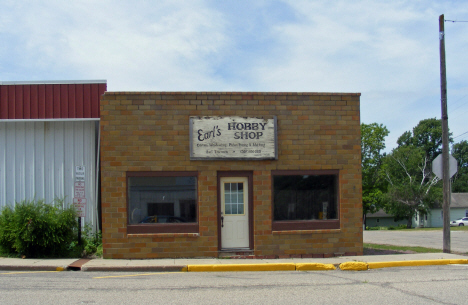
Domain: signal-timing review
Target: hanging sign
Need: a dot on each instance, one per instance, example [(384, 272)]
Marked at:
[(79, 173), (79, 199), (79, 190), (80, 206), (220, 138)]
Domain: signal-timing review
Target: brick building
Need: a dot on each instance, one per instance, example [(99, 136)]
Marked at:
[(207, 174)]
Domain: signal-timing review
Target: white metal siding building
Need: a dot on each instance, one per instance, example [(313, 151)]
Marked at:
[(39, 153)]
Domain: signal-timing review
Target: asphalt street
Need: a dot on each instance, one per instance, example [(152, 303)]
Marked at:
[(428, 239), (407, 285)]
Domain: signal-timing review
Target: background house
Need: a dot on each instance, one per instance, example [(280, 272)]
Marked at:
[(382, 219), (458, 209)]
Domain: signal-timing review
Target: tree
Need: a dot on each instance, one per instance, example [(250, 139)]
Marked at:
[(427, 135), (460, 180), (411, 184), (372, 143)]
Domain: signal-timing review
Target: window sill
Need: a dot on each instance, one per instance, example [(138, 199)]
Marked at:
[(164, 235), (298, 232), (305, 225), (186, 228)]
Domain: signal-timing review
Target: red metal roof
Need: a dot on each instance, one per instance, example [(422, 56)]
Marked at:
[(51, 100)]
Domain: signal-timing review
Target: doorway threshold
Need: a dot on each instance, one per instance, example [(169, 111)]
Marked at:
[(235, 253)]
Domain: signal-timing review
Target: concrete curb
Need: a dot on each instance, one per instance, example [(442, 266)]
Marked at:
[(33, 268), (354, 266), (348, 266), (207, 266), (242, 267), (361, 266), (314, 266), (136, 268), (377, 265)]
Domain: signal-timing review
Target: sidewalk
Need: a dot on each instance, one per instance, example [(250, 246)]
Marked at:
[(214, 264)]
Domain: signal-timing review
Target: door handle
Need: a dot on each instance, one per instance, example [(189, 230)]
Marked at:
[(222, 220)]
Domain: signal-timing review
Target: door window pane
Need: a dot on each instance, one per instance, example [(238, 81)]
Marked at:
[(234, 198)]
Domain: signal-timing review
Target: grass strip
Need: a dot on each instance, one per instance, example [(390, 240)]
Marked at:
[(402, 248)]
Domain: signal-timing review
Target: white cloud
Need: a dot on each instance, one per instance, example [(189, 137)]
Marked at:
[(387, 50), (162, 50)]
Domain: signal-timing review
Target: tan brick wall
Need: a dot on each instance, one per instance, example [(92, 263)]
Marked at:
[(150, 132)]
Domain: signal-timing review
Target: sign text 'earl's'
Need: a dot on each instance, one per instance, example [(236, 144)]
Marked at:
[(232, 132)]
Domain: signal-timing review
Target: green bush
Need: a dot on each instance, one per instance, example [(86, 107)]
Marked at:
[(378, 228), (37, 229), (92, 242), (7, 235)]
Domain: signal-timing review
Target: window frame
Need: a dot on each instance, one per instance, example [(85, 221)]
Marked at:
[(148, 228), (313, 224)]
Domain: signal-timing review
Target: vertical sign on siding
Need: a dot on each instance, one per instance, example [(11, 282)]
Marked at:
[(79, 200), (80, 173), (234, 138)]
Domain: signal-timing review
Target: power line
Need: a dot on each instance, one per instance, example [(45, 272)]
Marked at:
[(461, 134), (465, 133), (457, 102)]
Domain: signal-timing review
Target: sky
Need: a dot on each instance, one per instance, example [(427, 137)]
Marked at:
[(386, 50)]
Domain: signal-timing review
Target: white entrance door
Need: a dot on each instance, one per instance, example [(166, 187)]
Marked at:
[(234, 212)]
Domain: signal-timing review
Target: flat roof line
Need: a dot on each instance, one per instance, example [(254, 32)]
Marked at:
[(64, 82), (49, 120)]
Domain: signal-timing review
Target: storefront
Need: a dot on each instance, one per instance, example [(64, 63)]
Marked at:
[(209, 174)]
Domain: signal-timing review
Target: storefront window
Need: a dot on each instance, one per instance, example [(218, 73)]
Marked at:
[(305, 200), (162, 202)]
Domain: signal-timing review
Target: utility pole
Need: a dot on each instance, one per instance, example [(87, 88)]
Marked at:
[(445, 148)]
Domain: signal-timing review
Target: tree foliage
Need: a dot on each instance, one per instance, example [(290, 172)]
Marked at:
[(372, 144), (427, 135), (460, 180), (412, 187)]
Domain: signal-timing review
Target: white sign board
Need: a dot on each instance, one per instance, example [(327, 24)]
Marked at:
[(437, 166), (79, 173), (221, 138), (80, 206), (79, 190)]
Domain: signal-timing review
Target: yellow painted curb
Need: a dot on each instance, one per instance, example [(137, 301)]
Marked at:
[(434, 262), (354, 266), (59, 269), (459, 261), (242, 267), (314, 266)]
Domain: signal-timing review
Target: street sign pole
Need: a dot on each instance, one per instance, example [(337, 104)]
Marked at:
[(79, 198), (445, 149), (79, 231)]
